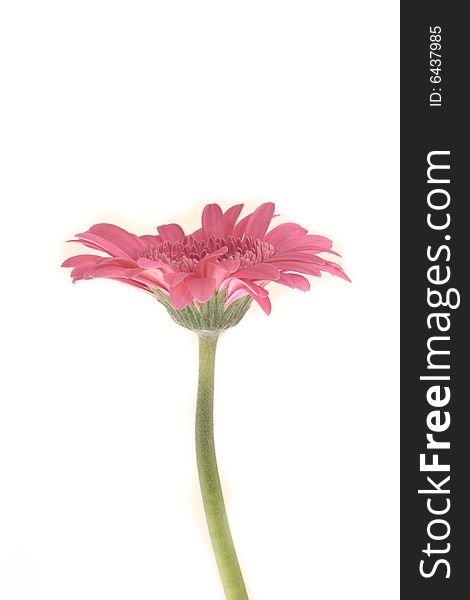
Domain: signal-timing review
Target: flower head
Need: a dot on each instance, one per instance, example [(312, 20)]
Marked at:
[(226, 258)]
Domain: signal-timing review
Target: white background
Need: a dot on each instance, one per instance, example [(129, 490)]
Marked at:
[(138, 113)]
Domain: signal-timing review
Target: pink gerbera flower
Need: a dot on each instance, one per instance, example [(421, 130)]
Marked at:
[(239, 257), (207, 280)]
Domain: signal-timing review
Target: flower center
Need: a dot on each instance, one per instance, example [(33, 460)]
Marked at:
[(185, 254)]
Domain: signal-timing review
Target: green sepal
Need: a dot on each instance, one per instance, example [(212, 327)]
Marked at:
[(212, 316)]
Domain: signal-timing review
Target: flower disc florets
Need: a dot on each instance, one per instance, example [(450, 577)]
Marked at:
[(184, 255)]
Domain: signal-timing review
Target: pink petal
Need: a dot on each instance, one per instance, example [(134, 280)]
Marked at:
[(218, 252), (218, 272), (299, 266), (265, 303), (284, 232), (230, 218), (198, 234), (240, 227), (250, 287), (294, 281), (180, 296), (110, 269), (98, 243), (201, 267), (236, 295), (230, 265), (308, 248), (236, 288), (174, 278), (132, 282), (312, 268), (127, 242), (81, 271), (151, 240), (74, 261), (213, 221), (202, 288), (171, 232), (126, 263), (307, 242), (334, 269), (112, 272), (259, 221), (148, 263), (261, 271), (87, 270), (152, 278), (87, 243), (320, 240), (299, 256)]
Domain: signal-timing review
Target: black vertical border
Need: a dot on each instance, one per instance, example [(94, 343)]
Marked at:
[(424, 129)]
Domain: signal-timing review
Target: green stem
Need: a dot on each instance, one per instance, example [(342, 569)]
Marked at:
[(214, 506)]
